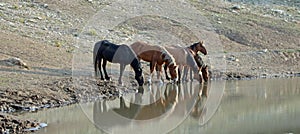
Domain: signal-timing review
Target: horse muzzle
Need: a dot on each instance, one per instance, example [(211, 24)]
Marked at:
[(174, 80)]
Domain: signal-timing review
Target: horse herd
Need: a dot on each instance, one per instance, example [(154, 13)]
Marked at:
[(174, 58)]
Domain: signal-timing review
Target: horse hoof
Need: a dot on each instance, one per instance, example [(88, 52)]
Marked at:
[(108, 78)]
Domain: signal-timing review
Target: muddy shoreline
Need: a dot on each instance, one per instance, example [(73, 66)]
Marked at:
[(14, 100)]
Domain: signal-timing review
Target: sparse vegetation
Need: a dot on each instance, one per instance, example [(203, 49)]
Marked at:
[(58, 43), (92, 32)]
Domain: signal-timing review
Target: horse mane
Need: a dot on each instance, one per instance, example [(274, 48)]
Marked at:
[(194, 45), (169, 57)]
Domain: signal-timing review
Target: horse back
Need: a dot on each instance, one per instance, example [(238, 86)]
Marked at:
[(179, 54), (146, 51), (124, 54), (140, 47)]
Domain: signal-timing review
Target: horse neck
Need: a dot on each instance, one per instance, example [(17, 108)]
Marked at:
[(193, 48), (136, 65), (199, 61), (190, 50), (168, 58)]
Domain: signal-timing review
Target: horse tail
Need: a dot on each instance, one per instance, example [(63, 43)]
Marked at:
[(96, 54)]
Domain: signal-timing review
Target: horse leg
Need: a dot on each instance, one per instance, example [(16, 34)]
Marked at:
[(179, 73), (104, 69), (157, 69), (166, 73), (122, 103), (122, 68), (95, 67), (191, 75), (158, 72), (99, 67), (185, 73), (152, 65), (198, 76)]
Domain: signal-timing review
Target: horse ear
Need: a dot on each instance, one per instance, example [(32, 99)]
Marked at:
[(201, 42)]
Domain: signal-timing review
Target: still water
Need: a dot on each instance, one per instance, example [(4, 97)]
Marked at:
[(245, 106)]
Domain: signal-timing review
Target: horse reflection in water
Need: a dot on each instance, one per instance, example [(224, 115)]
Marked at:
[(166, 102), (199, 110)]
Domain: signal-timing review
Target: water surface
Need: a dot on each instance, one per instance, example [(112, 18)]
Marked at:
[(246, 106)]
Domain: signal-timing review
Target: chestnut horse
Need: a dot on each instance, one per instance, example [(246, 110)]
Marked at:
[(123, 54), (156, 55), (183, 58)]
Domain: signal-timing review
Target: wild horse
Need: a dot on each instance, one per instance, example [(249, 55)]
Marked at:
[(194, 49), (156, 55), (122, 54), (183, 58), (202, 67), (188, 58)]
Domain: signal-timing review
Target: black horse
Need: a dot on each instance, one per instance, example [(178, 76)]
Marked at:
[(122, 54)]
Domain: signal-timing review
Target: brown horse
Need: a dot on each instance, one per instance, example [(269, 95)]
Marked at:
[(194, 49), (183, 58), (156, 55), (202, 67)]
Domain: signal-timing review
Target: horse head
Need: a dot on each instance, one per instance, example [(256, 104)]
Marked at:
[(171, 64), (173, 72), (139, 77), (199, 46)]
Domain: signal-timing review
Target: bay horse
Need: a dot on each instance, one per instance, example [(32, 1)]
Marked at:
[(156, 55), (194, 49), (183, 58), (202, 67), (122, 54)]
